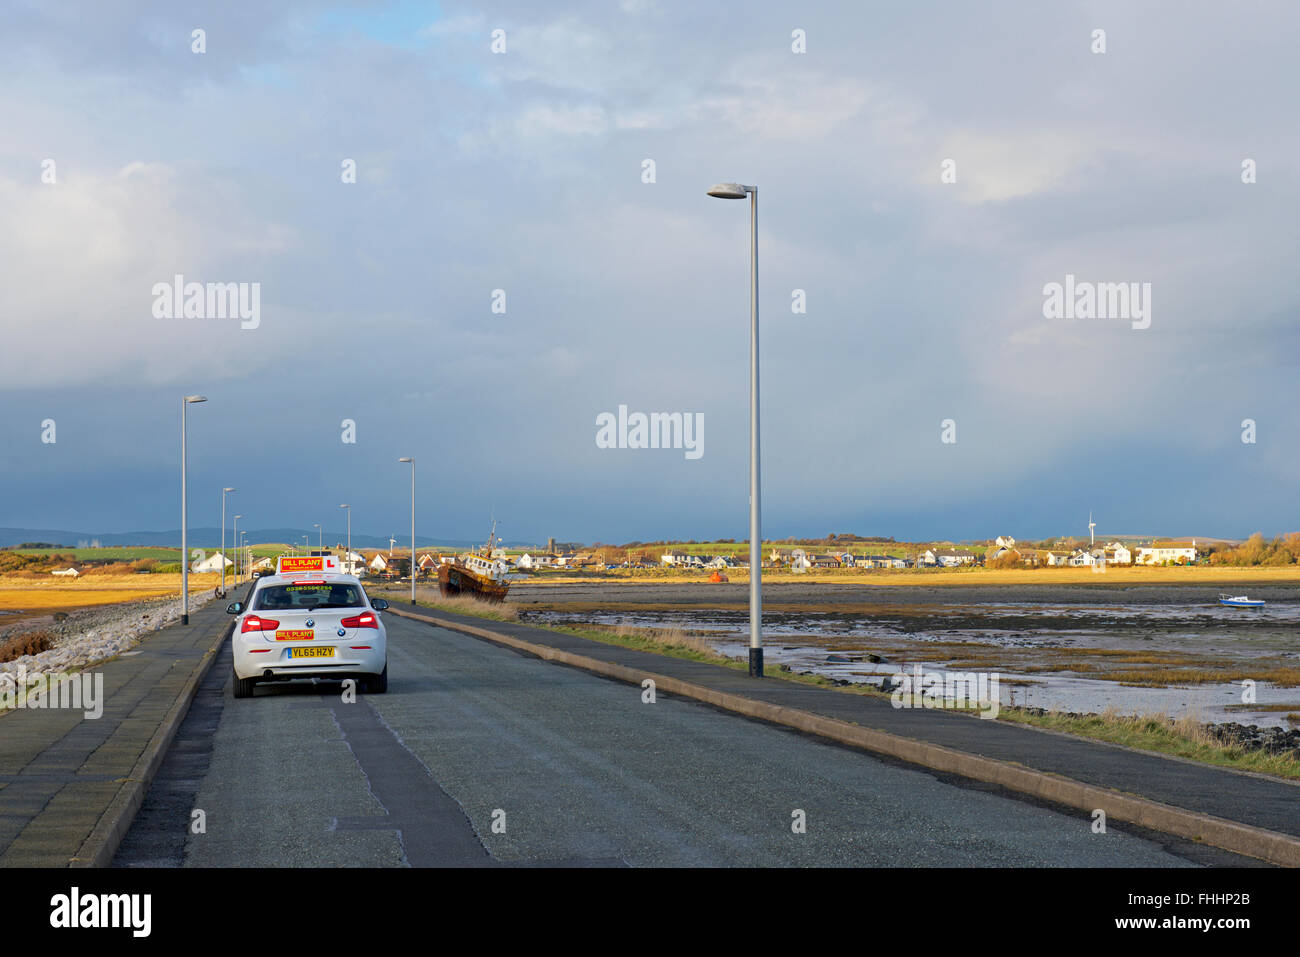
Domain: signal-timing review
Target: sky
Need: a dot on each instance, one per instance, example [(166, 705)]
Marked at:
[(923, 393)]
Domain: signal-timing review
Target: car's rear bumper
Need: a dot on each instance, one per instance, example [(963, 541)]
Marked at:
[(256, 657)]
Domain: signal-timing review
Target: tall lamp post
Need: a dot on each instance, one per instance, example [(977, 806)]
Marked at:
[(236, 537), (248, 552), (320, 535), (186, 402), (739, 191), (348, 554), (412, 461), (223, 539)]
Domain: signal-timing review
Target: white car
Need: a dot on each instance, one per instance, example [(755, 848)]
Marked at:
[(309, 620)]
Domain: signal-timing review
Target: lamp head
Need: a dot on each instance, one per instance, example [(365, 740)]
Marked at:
[(730, 191)]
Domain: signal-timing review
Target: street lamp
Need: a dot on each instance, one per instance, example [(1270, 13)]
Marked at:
[(248, 552), (320, 536), (223, 539), (236, 536), (739, 191), (185, 542), (348, 554), (412, 461)]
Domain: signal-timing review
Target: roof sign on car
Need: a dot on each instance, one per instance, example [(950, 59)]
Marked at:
[(307, 563)]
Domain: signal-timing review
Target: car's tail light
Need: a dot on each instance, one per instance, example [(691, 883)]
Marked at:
[(364, 620), (253, 623)]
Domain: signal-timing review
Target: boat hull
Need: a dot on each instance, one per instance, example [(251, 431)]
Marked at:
[(456, 579), (1234, 603)]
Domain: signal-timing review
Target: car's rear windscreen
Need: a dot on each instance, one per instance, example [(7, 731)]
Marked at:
[(308, 597)]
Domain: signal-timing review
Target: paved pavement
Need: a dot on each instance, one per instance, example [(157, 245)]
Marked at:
[(60, 771), (480, 756)]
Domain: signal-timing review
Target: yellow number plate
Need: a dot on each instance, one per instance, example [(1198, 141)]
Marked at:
[(295, 634), (317, 652)]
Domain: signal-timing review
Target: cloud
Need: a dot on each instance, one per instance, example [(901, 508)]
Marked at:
[(522, 171), (78, 275)]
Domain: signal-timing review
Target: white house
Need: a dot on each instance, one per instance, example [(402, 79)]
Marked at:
[(786, 556), (1082, 558), (1006, 542), (948, 559), (212, 563), (1166, 553), (1117, 554), (377, 564), (1058, 558), (67, 573), (674, 557)]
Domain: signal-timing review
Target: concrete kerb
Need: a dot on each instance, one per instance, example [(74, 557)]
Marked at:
[(1232, 836), (98, 849)]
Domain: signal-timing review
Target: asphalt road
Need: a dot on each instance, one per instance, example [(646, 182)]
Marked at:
[(479, 756)]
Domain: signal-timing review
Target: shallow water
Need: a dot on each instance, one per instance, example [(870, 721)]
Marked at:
[(804, 641)]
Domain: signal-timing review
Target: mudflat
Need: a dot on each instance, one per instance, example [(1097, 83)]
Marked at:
[(1108, 589)]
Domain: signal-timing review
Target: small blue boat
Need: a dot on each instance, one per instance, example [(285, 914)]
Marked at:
[(1241, 601)]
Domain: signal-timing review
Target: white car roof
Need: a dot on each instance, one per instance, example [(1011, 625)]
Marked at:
[(306, 578)]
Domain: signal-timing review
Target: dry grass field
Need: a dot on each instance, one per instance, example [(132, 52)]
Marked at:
[(21, 597)]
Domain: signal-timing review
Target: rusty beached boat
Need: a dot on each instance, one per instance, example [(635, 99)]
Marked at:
[(476, 575)]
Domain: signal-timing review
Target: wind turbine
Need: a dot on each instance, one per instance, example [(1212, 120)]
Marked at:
[(392, 541), (1092, 531)]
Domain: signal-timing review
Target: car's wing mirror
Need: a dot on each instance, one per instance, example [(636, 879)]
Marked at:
[(234, 608), (379, 604)]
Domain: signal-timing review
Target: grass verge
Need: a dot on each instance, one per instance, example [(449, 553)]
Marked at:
[(1184, 738)]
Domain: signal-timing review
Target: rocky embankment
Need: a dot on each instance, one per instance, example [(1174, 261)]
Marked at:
[(1248, 737), (93, 634)]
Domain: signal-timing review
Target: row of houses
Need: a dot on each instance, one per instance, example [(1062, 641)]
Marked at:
[(796, 559), (1115, 553)]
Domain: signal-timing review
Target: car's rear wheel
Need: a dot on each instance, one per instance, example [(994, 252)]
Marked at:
[(243, 686), (378, 684)]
